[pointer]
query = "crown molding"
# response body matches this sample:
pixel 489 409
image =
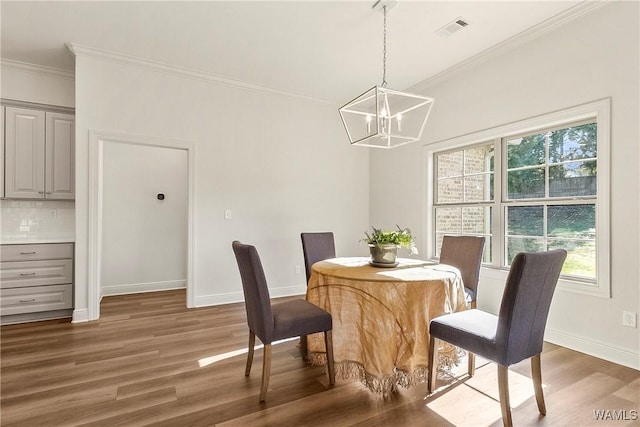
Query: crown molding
pixel 120 58
pixel 36 69
pixel 511 43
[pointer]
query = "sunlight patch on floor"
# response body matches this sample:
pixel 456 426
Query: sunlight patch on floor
pixel 463 406
pixel 479 395
pixel 206 361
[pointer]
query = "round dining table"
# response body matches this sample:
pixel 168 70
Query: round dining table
pixel 381 318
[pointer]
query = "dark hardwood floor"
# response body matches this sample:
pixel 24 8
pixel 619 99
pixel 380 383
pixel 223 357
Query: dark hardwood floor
pixel 150 361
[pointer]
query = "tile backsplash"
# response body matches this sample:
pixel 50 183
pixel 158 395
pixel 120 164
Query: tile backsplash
pixel 36 219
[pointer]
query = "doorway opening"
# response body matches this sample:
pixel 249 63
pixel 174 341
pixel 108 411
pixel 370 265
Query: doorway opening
pixel 102 148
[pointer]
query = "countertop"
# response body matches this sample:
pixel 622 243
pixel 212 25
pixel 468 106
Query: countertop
pixel 21 239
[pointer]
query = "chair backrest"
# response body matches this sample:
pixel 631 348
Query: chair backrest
pixel 464 253
pixel 317 247
pixel 256 293
pixel 525 304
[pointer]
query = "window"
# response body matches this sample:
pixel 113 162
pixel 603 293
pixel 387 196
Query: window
pixel 464 193
pixel 530 189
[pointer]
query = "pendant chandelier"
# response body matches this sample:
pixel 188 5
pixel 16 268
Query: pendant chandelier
pixel 382 117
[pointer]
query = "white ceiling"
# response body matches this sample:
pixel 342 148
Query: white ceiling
pixel 326 50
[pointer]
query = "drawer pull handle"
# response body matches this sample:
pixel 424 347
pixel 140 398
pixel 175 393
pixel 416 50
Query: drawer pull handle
pixel 28 300
pixel 27 274
pixel 28 253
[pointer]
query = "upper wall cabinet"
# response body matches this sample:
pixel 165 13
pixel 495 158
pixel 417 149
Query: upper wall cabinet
pixel 40 155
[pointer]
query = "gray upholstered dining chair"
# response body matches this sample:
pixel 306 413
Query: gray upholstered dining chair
pixel 317 247
pixel 516 333
pixel 465 253
pixel 282 320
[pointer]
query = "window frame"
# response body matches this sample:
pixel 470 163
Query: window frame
pixel 600 111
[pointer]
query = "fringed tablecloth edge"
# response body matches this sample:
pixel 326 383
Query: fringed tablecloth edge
pixel 388 384
pixel 448 357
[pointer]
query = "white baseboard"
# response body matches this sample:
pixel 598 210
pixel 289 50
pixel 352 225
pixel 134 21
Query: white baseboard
pixel 134 288
pixel 593 348
pixel 219 299
pixel 233 297
pixel 288 291
pixel 80 315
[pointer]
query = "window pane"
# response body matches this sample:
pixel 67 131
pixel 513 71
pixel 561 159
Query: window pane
pixel 476 220
pixel 525 221
pixel 573 143
pixel 477 188
pixel 439 238
pixel 573 179
pixel 449 164
pixel 488 250
pixel 450 190
pixel 448 220
pixel 527 151
pixel 572 221
pixel 525 184
pixel 581 257
pixel 519 244
pixel 478 159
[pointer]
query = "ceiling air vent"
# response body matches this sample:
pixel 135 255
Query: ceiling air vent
pixel 453 27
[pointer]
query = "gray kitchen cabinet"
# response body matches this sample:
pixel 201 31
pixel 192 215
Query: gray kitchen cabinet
pixel 2 152
pixel 39 154
pixel 36 282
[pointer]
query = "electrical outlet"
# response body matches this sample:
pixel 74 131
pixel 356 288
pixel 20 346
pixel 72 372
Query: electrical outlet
pixel 227 214
pixel 298 269
pixel 629 319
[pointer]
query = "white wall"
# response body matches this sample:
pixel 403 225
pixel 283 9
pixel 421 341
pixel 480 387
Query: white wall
pixel 594 57
pixel 281 164
pixel 144 239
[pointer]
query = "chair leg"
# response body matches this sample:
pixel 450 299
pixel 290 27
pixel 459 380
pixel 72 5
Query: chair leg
pixel 266 371
pixel 328 343
pixel 252 344
pixel 536 374
pixel 471 359
pixel 503 387
pixel 433 364
pixel 303 346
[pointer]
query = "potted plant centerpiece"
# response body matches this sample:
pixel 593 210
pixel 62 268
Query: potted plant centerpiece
pixel 384 245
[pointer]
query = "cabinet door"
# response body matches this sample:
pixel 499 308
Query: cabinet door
pixel 60 156
pixel 24 150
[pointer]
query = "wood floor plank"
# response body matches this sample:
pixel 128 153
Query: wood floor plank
pixel 151 361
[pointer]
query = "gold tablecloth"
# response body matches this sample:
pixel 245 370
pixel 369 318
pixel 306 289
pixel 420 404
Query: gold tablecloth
pixel 381 318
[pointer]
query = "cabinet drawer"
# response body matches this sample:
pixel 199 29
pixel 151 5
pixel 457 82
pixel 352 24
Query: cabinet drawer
pixel 34 299
pixel 35 273
pixel 36 252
